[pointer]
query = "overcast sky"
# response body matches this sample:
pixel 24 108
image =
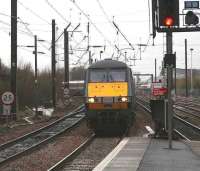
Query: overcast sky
pixel 131 16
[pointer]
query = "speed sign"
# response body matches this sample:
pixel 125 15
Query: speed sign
pixel 7 98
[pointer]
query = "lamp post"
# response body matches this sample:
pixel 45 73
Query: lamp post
pixel 191 77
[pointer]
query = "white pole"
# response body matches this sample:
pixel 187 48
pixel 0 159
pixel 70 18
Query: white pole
pixel 191 49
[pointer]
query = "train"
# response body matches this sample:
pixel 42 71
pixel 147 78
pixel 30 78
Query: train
pixel 109 96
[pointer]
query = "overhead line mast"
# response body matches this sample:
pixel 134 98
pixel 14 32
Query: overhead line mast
pixel 13 83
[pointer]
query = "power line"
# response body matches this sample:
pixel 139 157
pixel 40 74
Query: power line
pixel 109 21
pixel 20 31
pixel 60 16
pixel 29 30
pixel 57 11
pixel 26 27
pixel 115 26
pixel 3 22
pixel 6 15
pixel 91 22
pixel 147 44
pixel 81 57
pixel 99 31
pixel 104 12
pixel 80 42
pixel 34 13
pixel 31 51
pixel 123 35
pixel 21 22
pixel 107 17
pixel 105 22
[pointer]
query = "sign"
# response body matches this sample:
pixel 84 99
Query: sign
pixel 7 98
pixel 6 110
pixel 191 4
pixel 170 60
pixel 159 91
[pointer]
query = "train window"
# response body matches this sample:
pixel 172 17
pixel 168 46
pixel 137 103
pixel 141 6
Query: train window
pixel 117 75
pixel 98 76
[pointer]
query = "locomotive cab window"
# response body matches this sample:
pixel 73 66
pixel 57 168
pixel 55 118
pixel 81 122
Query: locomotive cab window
pixel 114 75
pixel 98 76
pixel 117 76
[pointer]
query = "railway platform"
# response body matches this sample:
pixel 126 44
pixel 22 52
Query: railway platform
pixel 143 154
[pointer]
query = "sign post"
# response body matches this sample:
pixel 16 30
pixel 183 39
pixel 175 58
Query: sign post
pixel 169 86
pixel 66 96
pixel 7 99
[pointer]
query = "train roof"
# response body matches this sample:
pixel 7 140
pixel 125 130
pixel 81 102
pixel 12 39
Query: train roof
pixel 108 63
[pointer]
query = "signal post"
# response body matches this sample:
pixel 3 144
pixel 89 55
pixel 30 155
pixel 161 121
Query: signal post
pixel 165 18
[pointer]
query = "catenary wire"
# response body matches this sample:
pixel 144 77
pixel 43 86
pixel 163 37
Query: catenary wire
pixel 34 13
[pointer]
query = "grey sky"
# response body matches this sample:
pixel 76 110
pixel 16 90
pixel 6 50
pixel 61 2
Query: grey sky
pixel 131 16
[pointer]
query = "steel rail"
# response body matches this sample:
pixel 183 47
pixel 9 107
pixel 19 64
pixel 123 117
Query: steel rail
pixel 75 154
pixel 72 155
pixel 181 135
pixel 187 123
pixel 144 107
pixel 187 110
pixel 41 136
pixel 184 127
pixel 11 142
pixel 181 126
pixel 59 165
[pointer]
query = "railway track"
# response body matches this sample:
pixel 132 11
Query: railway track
pixel 88 154
pixel 189 112
pixel 182 126
pixel 186 129
pixel 29 142
pixel 144 104
pixel 72 155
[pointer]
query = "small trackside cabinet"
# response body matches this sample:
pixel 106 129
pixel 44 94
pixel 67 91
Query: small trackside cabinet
pixel 158 113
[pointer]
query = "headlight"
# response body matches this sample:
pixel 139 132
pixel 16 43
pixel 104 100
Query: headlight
pixel 124 99
pixel 91 100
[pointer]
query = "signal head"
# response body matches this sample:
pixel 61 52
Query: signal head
pixel 191 18
pixel 168 21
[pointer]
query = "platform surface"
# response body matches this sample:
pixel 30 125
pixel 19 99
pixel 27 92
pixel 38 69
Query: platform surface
pixel 159 158
pixel 143 154
pixel 126 156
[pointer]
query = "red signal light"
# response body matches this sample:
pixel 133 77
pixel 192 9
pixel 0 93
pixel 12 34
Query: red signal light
pixel 169 21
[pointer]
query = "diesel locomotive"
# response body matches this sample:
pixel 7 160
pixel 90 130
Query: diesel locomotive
pixel 109 96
